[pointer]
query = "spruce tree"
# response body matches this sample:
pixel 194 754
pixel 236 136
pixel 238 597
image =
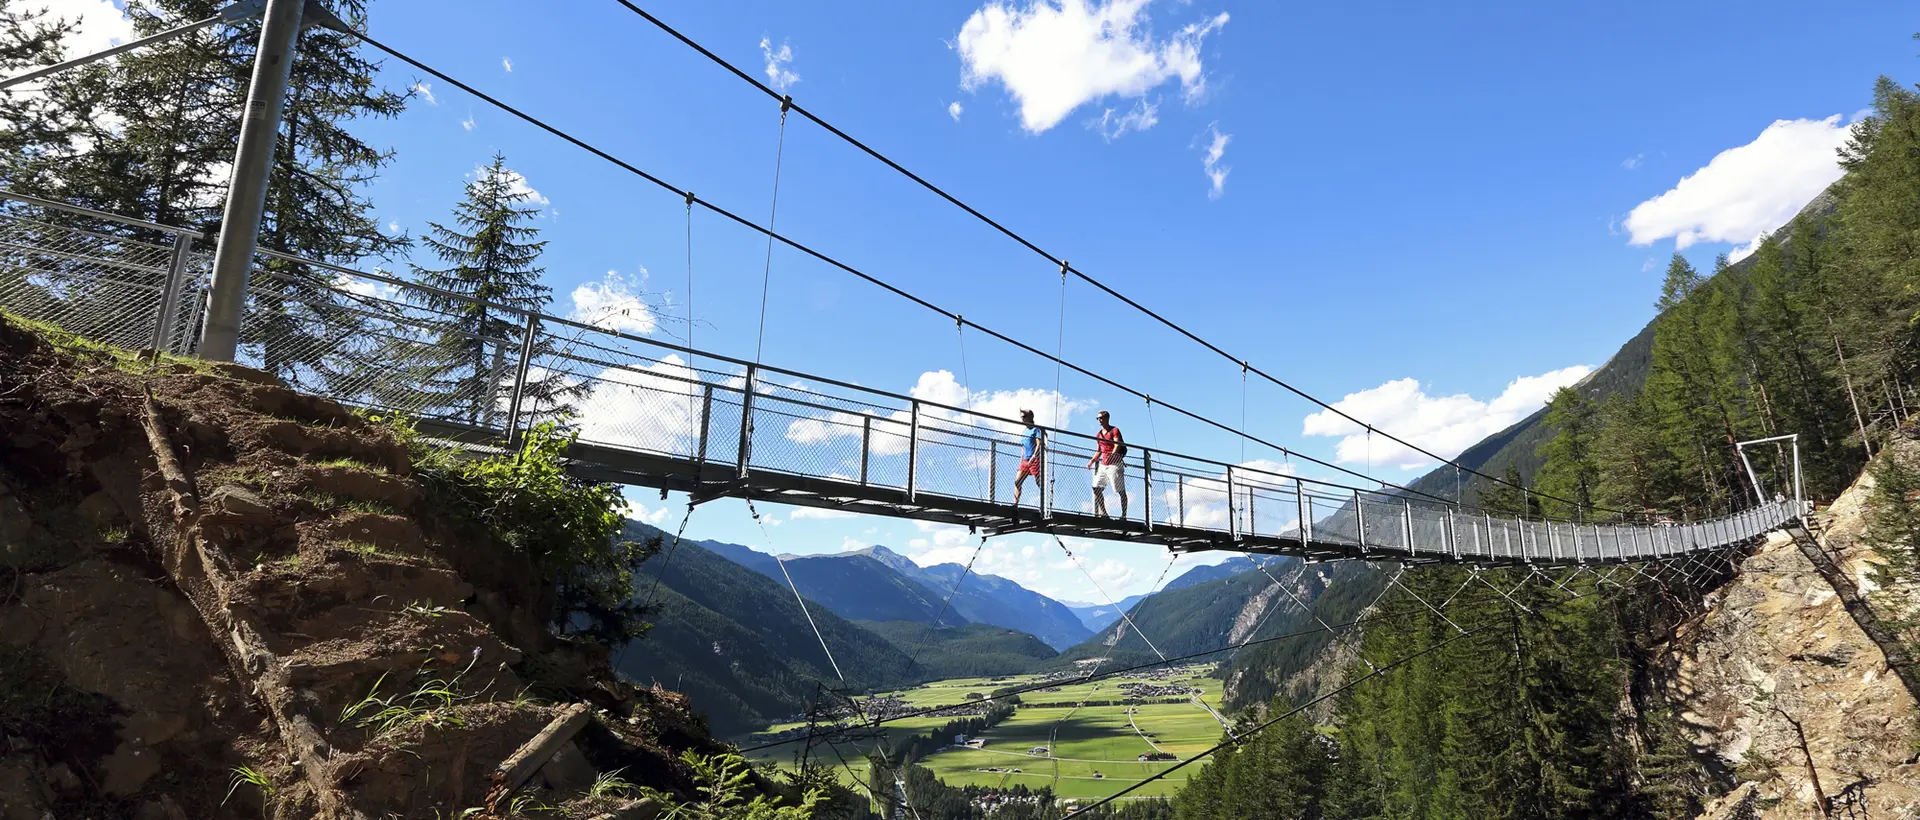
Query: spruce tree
pixel 1570 471
pixel 492 252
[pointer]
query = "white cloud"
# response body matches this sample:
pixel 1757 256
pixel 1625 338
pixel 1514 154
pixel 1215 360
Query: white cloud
pixel 615 303
pixel 1633 162
pixel 468 122
pixel 953 110
pixel 100 24
pixel 1054 56
pixel 639 512
pixel 779 64
pixel 1113 125
pixel 507 63
pixel 1442 424
pixel 819 513
pixel 653 407
pixel 365 287
pixel 1745 191
pixel 425 91
pixel 1216 150
pixel 393 226
pixel 891 431
pixel 516 184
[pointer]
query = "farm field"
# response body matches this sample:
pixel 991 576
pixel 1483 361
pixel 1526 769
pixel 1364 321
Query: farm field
pixel 1095 748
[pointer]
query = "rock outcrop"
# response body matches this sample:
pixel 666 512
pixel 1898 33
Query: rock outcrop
pixel 1779 685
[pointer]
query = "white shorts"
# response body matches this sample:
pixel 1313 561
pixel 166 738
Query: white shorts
pixel 1110 475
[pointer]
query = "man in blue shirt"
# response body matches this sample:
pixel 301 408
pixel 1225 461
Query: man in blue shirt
pixel 1032 455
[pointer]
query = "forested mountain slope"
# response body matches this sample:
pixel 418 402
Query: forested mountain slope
pixel 738 643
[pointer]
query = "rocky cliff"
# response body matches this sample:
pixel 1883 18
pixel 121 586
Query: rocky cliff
pixel 1777 683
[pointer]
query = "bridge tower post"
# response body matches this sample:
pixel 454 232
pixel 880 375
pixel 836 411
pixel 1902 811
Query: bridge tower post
pixel 1452 533
pixel 520 377
pixel 247 186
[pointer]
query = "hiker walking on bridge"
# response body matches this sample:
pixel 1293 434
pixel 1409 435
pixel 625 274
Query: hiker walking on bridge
pixel 1108 465
pixel 1031 456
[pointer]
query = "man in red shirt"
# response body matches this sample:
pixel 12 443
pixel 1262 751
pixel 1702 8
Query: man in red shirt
pixel 1109 469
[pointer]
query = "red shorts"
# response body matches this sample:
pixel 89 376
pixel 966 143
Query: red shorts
pixel 1029 466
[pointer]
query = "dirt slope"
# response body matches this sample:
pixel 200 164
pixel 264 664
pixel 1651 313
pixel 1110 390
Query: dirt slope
pixel 220 598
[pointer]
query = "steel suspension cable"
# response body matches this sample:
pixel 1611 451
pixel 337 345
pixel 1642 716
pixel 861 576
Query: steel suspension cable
pixel 796 595
pixel 1030 245
pixel 871 279
pixel 773 209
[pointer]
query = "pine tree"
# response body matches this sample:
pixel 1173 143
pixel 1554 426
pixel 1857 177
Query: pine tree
pixel 493 253
pixel 1571 471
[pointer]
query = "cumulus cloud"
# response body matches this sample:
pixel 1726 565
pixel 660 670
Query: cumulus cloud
pixel 507 64
pixel 425 90
pixel 1745 191
pixel 1113 125
pixel 1442 424
pixel 99 25
pixel 779 64
pixel 953 110
pixel 615 303
pixel 1210 163
pixel 891 432
pixel 516 183
pixel 1054 56
pixel 655 407
pixel 640 512
pixel 468 122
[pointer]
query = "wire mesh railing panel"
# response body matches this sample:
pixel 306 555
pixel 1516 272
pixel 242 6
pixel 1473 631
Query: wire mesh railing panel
pixel 77 274
pixel 958 458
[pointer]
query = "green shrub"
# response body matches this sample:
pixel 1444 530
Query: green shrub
pixel 569 527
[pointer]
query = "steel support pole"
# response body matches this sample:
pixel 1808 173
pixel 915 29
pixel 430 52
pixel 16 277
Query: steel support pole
pixel 1409 529
pixel 1146 481
pixel 1360 519
pixel 1453 535
pixel 1045 479
pixel 520 377
pixel 913 452
pixel 170 295
pixel 866 446
pixel 1300 503
pixel 247 187
pixel 706 421
pixel 1233 515
pixel 746 422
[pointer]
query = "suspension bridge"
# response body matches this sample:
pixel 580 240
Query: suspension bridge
pixel 661 415
pixel 657 414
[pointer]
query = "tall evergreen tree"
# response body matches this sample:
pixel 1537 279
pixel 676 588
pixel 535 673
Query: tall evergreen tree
pixel 1571 471
pixel 492 253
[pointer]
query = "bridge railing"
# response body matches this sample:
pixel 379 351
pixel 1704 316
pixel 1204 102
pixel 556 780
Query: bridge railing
pixel 373 340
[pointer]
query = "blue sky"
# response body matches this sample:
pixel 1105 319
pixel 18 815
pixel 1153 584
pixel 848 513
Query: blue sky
pixel 1438 211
